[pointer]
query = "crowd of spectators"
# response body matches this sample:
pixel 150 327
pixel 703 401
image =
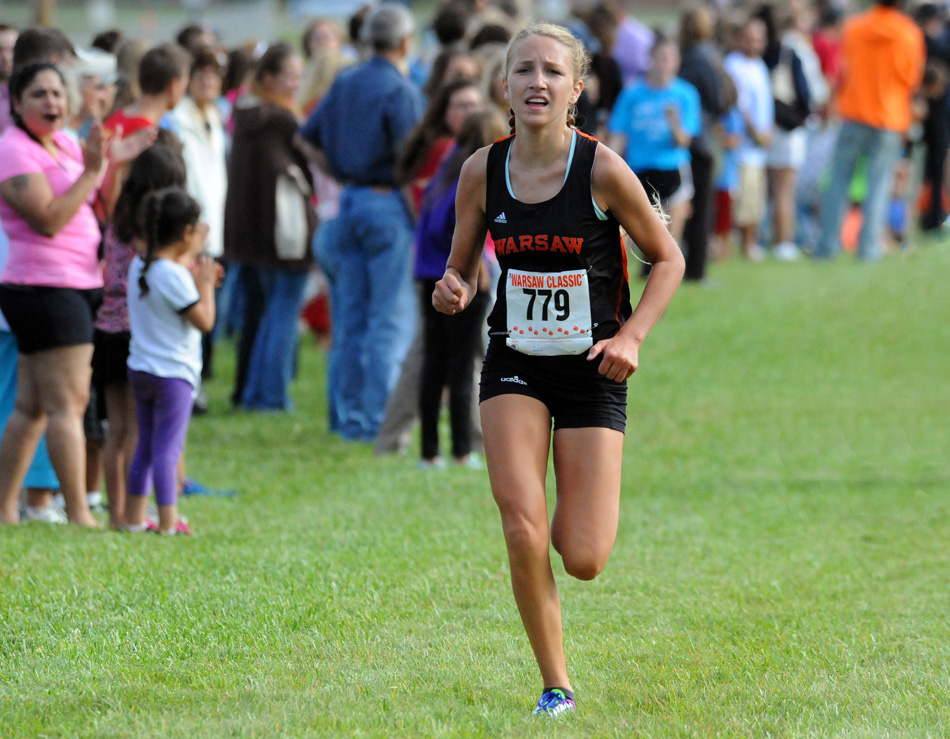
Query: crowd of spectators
pixel 778 130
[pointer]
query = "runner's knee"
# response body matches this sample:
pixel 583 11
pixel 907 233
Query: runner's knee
pixel 583 563
pixel 523 534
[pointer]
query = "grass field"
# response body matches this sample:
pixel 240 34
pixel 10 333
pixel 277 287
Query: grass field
pixel 781 567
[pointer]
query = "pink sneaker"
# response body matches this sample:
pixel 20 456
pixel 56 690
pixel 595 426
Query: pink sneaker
pixel 180 528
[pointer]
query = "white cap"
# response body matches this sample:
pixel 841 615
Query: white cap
pixel 95 63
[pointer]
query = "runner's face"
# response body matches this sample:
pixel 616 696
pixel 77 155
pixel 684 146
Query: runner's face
pixel 540 82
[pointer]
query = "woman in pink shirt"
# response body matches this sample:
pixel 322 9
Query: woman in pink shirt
pixel 51 285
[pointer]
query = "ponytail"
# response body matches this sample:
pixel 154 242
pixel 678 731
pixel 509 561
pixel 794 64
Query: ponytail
pixel 153 211
pixel 163 217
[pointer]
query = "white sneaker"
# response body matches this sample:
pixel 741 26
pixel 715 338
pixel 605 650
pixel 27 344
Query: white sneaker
pixel 437 463
pixel 95 501
pixel 43 514
pixel 786 252
pixel 756 253
pixel 473 462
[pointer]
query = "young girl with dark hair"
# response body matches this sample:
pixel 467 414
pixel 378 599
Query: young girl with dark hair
pixel 171 301
pixel 449 344
pixel 155 168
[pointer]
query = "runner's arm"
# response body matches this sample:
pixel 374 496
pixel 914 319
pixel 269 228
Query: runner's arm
pixel 460 281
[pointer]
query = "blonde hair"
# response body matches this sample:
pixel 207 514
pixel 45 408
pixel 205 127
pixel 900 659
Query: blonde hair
pixel 580 60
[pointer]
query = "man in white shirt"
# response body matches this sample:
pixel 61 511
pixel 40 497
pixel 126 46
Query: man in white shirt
pixel 757 107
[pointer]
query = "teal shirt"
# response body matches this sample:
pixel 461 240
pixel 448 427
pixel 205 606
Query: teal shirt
pixel 640 115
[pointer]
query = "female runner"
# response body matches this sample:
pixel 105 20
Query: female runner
pixel 563 336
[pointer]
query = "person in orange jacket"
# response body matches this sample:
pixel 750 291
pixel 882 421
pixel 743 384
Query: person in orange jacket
pixel 883 62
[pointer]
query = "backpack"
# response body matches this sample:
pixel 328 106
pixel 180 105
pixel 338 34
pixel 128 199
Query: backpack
pixel 790 112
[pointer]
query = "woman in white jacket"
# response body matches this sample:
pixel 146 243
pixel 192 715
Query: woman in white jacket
pixel 198 123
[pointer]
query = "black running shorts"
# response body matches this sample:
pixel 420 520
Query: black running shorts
pixel 575 393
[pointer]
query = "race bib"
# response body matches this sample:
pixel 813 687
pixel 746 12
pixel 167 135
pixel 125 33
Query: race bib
pixel 548 313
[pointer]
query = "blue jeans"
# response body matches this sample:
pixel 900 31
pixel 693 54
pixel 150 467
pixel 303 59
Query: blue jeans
pixel 268 346
pixel 325 246
pixel 373 314
pixel 227 303
pixel 882 148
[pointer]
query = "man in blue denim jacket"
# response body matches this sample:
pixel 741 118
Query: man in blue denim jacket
pixel 359 126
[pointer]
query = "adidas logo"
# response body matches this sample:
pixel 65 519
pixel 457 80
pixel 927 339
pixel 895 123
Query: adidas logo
pixel 515 379
pixel 501 218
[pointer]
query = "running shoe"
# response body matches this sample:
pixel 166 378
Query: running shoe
pixel 553 703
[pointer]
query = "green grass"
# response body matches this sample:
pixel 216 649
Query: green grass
pixel 781 566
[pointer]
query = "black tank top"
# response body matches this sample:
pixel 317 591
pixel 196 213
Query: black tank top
pixel 559 235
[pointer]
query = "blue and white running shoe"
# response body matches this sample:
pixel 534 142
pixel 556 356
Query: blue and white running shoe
pixel 553 703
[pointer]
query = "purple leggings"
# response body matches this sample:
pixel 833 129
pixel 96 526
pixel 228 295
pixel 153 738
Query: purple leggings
pixel 162 406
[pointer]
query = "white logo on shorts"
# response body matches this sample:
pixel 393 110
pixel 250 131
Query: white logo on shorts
pixel 501 218
pixel 514 379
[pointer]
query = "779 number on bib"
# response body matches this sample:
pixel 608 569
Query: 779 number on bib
pixel 548 312
pixel 562 303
